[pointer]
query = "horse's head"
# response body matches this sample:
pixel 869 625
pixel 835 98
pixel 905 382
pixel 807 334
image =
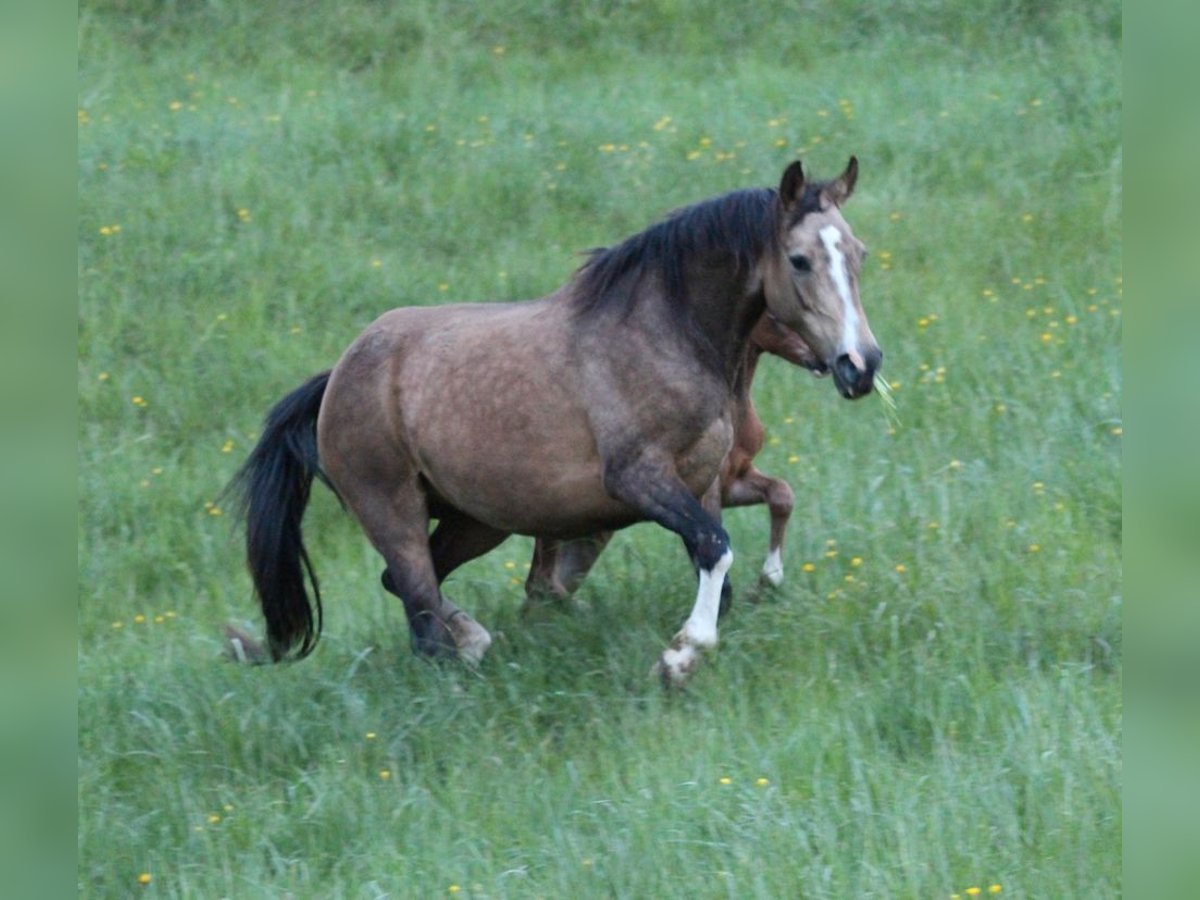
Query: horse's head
pixel 811 282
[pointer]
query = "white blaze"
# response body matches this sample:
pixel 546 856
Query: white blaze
pixel 830 237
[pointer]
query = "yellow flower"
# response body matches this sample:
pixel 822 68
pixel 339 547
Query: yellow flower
pixel 973 892
pixel 994 889
pixel 856 561
pixel 139 618
pixel 762 782
pixel 454 889
pixel 808 567
pixel 901 568
pixel 725 779
pixel 370 735
pixel 214 819
pixel 385 774
pixel 144 878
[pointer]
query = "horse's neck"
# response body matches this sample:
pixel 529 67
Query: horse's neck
pixel 724 311
pixel 745 378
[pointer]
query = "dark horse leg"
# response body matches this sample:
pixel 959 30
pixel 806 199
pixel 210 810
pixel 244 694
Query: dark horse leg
pixel 457 539
pixel 653 487
pixel 559 566
pixel 396 520
pixel 753 488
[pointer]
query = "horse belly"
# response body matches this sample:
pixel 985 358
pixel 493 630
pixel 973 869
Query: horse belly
pixel 515 453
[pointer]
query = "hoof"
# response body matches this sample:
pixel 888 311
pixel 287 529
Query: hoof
pixel 241 648
pixel 772 570
pixel 676 664
pixel 471 640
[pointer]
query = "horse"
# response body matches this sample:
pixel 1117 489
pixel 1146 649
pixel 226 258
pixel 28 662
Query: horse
pixel 607 402
pixel 559 567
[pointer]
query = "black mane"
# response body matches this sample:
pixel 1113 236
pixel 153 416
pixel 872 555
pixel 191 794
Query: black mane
pixel 742 225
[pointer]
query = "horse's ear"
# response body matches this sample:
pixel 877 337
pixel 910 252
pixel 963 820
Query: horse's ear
pixel 842 187
pixel 791 186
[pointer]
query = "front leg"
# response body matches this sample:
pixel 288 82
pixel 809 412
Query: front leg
pixel 655 489
pixel 752 488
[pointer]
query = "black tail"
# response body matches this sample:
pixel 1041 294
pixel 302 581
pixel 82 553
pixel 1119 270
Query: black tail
pixel 274 485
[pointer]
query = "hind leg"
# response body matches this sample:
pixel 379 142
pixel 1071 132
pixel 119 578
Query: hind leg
pixel 397 523
pixel 559 566
pixel 458 539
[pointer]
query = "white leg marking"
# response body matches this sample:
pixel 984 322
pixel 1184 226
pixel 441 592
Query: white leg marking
pixel 773 568
pixel 700 630
pixel 831 236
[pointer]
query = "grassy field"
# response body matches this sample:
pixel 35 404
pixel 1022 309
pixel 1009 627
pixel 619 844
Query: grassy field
pixel 930 704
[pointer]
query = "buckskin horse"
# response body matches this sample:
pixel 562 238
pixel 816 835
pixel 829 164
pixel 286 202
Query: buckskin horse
pixel 605 403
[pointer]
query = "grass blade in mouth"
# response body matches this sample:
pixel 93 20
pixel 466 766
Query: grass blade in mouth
pixel 889 400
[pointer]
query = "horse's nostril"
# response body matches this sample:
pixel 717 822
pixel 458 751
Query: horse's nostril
pixel 874 360
pixel 846 369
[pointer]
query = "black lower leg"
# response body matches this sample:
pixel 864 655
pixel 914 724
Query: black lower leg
pixel 428 634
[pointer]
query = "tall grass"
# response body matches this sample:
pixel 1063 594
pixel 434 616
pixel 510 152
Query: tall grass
pixel 932 700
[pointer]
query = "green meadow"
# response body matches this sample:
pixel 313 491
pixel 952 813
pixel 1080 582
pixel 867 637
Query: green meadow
pixel 930 705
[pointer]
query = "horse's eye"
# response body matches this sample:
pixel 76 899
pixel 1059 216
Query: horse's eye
pixel 800 262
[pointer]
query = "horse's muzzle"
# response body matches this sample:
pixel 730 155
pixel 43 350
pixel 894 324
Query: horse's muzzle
pixel 854 374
